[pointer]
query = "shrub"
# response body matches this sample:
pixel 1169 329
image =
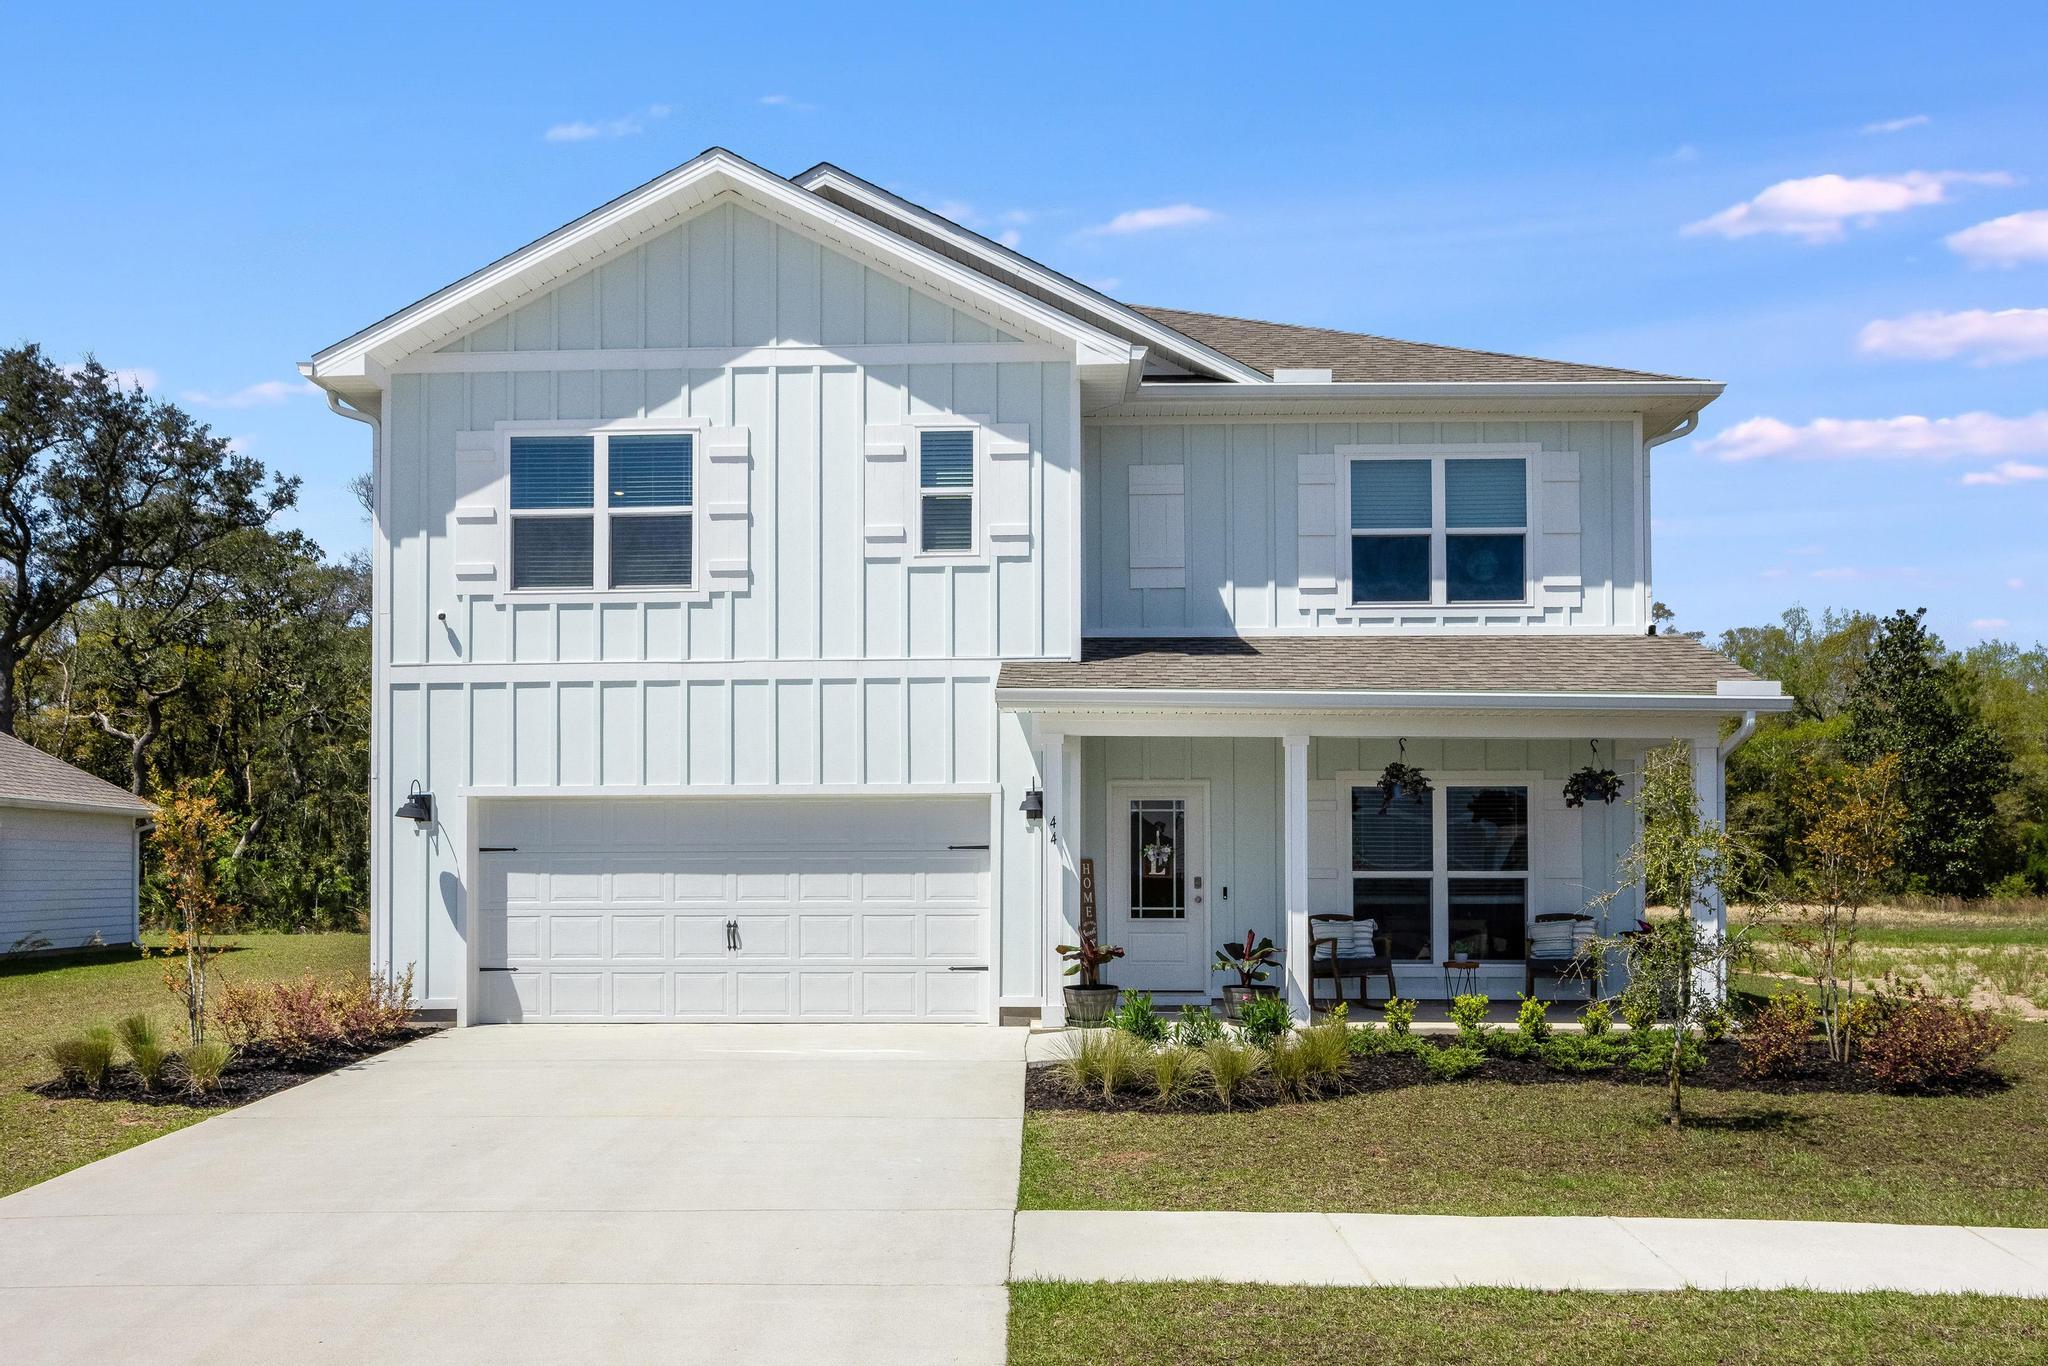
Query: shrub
pixel 145 1048
pixel 1649 1053
pixel 301 1023
pixel 1469 1013
pixel 1399 1014
pixel 1229 1066
pixel 1596 1019
pixel 204 1062
pixel 1639 1007
pixel 1174 1073
pixel 1264 1019
pixel 1108 1060
pixel 1715 1024
pixel 1501 1043
pixel 1563 1053
pixel 1452 1063
pixel 1196 1027
pixel 371 1009
pixel 1774 1042
pixel 241 1014
pixel 1861 1019
pixel 1925 1044
pixel 1529 1019
pixel 83 1060
pixel 1136 1017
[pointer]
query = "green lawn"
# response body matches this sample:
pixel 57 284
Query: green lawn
pixel 42 1000
pixel 1571 1148
pixel 1193 1324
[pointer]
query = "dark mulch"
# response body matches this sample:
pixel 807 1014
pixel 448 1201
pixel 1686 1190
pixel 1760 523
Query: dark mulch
pixel 256 1071
pixel 1046 1089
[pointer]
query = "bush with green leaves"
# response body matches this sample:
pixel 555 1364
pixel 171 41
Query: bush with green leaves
pixel 1230 1066
pixel 1530 1021
pixel 204 1062
pixel 1596 1019
pixel 1501 1043
pixel 83 1059
pixel 1196 1026
pixel 1639 1007
pixel 144 1044
pixel 1454 1062
pixel 1468 1013
pixel 1399 1014
pixel 1716 1024
pixel 1264 1019
pixel 1566 1053
pixel 1649 1053
pixel 1137 1018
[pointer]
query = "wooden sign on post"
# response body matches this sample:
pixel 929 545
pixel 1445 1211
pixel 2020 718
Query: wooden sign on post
pixel 1088 896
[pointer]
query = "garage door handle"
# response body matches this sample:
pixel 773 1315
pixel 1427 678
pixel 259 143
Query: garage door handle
pixel 732 935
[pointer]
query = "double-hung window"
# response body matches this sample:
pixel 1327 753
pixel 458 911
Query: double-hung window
pixel 641 534
pixel 1439 530
pixel 1466 850
pixel 945 491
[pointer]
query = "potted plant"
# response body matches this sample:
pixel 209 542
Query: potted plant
pixel 1249 961
pixel 1592 783
pixel 1089 1001
pixel 1402 779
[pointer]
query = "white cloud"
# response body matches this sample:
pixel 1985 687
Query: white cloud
pixel 788 102
pixel 967 216
pixel 2015 584
pixel 1682 155
pixel 2006 473
pixel 1010 237
pixel 1814 209
pixel 1984 436
pixel 623 127
pixel 1989 624
pixel 2004 241
pixel 1104 284
pixel 1985 337
pixel 263 394
pixel 1151 220
pixel 1898 125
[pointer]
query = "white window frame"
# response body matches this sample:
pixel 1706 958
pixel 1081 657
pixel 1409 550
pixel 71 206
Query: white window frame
pixel 601 511
pixel 919 424
pixel 1439 533
pixel 1439 874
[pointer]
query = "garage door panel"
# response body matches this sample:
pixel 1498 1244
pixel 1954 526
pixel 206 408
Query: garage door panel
pixel 955 995
pixel 825 995
pixel 830 886
pixel 885 935
pixel 575 936
pixel 702 995
pixel 575 884
pixel 763 887
pixel 640 886
pixel 956 885
pixel 764 936
pixel 523 935
pixel 700 936
pixel 952 936
pixel 638 936
pixel 643 994
pixel 575 995
pixel 825 936
pixel 889 995
pixel 763 993
pixel 700 887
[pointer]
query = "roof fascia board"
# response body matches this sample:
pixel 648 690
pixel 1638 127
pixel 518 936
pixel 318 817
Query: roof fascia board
pixel 1705 390
pixel 142 810
pixel 1308 700
pixel 1157 335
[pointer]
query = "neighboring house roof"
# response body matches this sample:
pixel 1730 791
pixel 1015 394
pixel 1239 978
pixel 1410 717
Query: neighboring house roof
pixel 1602 666
pixel 1362 358
pixel 29 777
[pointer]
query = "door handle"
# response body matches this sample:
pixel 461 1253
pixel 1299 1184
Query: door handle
pixel 732 935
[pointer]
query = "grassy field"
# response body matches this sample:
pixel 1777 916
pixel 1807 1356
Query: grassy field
pixel 42 1000
pixel 1059 1324
pixel 1571 1147
pixel 1992 953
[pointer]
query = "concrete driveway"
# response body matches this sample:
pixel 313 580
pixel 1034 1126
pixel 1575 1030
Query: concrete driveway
pixel 553 1193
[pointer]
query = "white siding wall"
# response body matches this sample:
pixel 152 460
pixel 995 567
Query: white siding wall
pixel 1241 507
pixel 65 877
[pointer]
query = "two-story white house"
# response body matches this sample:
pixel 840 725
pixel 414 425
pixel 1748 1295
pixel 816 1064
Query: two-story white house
pixel 781 591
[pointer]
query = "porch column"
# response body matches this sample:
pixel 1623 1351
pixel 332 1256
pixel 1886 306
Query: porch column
pixel 1710 914
pixel 1060 877
pixel 1294 863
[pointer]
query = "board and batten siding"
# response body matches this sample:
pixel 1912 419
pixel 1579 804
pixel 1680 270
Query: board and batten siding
pixel 1242 499
pixel 67 878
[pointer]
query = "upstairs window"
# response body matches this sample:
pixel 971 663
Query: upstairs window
pixel 642 534
pixel 1439 531
pixel 945 492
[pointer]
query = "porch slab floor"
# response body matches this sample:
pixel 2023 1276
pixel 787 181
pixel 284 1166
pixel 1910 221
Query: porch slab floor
pixel 1554 1253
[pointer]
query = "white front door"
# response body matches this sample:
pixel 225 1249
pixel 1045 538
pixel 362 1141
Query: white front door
pixel 1157 899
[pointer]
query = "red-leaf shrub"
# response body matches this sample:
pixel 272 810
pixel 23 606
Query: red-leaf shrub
pixel 1922 1043
pixel 372 1009
pixel 1775 1041
pixel 301 1023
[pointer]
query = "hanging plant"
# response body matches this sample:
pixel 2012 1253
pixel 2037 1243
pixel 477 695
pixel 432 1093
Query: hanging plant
pixel 1399 779
pixel 1599 784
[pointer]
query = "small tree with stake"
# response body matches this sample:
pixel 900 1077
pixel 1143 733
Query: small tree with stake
pixel 1855 825
pixel 194 839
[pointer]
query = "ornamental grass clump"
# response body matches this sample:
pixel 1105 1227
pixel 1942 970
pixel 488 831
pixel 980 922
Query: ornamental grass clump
pixel 144 1045
pixel 1176 1069
pixel 1326 1048
pixel 1106 1060
pixel 204 1062
pixel 83 1060
pixel 1230 1066
pixel 1288 1061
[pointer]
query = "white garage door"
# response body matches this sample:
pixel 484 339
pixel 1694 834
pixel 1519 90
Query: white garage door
pixel 734 909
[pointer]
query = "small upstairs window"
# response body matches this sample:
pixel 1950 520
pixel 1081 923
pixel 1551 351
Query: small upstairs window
pixel 945 492
pixel 1439 530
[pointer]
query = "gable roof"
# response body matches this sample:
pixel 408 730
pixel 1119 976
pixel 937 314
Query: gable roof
pixel 29 777
pixel 1361 357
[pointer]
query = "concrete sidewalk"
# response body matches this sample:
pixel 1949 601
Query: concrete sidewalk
pixel 1534 1253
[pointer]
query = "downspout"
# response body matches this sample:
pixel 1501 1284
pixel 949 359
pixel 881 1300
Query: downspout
pixel 380 903
pixel 1739 736
pixel 1685 428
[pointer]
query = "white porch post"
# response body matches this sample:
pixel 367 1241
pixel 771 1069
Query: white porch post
pixel 1061 875
pixel 1710 912
pixel 1294 838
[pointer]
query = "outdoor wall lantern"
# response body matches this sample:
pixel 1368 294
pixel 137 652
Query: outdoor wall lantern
pixel 1033 805
pixel 419 806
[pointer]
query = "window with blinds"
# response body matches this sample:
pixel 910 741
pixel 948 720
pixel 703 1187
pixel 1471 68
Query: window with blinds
pixel 641 534
pixel 945 492
pixel 1466 851
pixel 1439 530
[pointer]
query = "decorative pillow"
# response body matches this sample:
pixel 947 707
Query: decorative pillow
pixel 1354 937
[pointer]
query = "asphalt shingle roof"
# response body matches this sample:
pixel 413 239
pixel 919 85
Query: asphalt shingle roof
pixel 29 776
pixel 1360 357
pixel 1374 663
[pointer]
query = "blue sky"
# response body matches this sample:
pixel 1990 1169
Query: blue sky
pixel 1842 212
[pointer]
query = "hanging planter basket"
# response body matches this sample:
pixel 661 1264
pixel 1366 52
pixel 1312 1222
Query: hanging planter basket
pixel 1400 781
pixel 1602 785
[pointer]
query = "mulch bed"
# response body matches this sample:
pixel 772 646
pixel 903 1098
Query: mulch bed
pixel 256 1071
pixel 1046 1089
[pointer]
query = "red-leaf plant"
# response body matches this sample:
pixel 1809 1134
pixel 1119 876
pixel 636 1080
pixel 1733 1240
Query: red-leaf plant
pixel 1248 960
pixel 1088 958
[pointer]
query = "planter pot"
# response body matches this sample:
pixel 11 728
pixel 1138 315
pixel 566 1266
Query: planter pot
pixel 1088 1007
pixel 1234 997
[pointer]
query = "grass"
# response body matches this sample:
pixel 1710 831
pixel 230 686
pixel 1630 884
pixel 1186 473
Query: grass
pixel 1482 1147
pixel 1195 1324
pixel 1993 953
pixel 44 999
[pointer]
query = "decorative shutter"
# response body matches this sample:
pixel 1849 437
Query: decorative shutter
pixel 1006 508
pixel 887 489
pixel 477 531
pixel 1556 530
pixel 1320 561
pixel 1159 526
pixel 727 474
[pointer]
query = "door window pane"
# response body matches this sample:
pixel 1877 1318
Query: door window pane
pixel 1389 494
pixel 651 551
pixel 551 552
pixel 1485 568
pixel 552 471
pixel 1486 829
pixel 1158 859
pixel 649 471
pixel 1481 493
pixel 1394 842
pixel 1489 917
pixel 1390 569
pixel 1401 906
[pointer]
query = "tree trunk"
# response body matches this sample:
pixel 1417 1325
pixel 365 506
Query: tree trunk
pixel 9 702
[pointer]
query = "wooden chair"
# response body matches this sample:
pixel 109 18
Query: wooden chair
pixel 1560 969
pixel 1324 962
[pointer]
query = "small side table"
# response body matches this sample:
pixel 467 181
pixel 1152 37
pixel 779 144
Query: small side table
pixel 1461 978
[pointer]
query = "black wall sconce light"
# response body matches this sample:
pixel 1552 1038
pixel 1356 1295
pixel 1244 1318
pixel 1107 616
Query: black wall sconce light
pixel 1033 805
pixel 419 806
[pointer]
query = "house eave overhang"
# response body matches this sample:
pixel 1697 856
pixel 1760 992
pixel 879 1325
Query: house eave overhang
pixel 1663 403
pixel 140 811
pixel 1728 701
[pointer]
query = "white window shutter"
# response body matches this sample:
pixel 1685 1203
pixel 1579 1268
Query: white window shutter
pixel 478 522
pixel 1555 529
pixel 1159 526
pixel 1320 562
pixel 886 487
pixel 726 516
pixel 1006 509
